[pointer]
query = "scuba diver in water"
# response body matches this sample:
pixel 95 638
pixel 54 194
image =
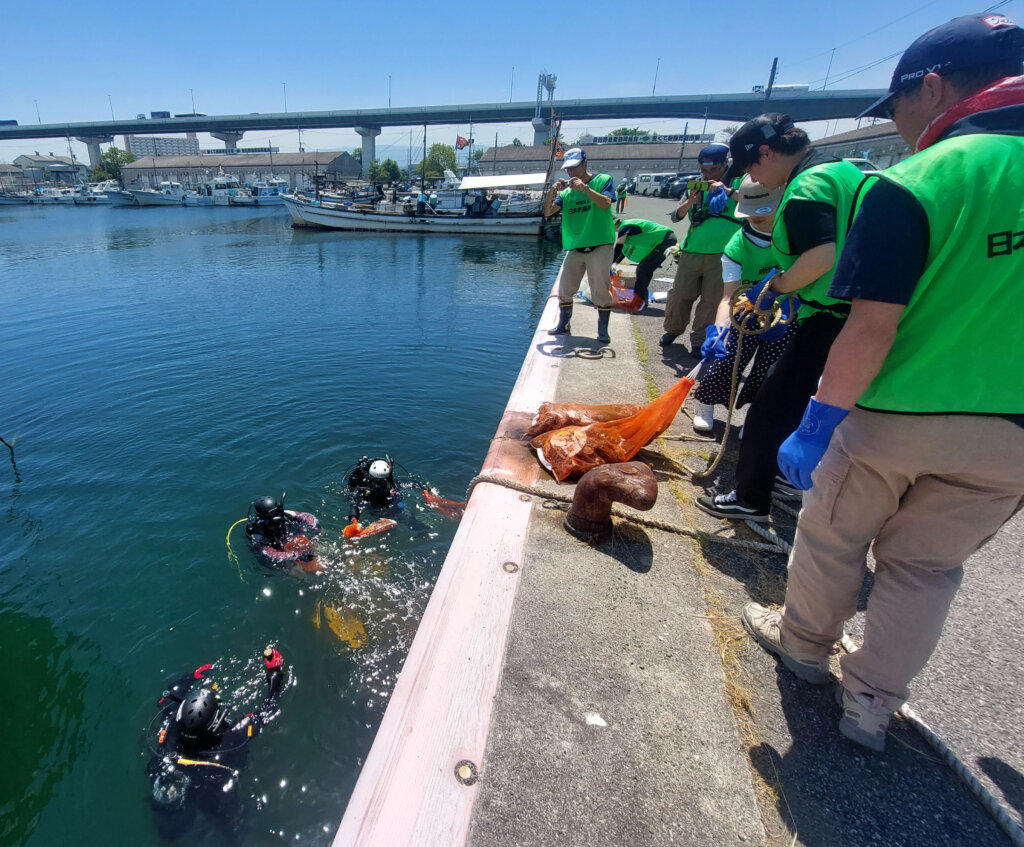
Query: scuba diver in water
pixel 280 536
pixel 198 750
pixel 372 482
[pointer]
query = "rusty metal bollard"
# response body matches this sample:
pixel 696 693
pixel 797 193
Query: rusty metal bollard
pixel 631 483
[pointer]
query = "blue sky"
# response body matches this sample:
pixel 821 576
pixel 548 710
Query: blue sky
pixel 72 63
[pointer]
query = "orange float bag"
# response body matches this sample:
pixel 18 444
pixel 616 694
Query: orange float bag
pixel 556 415
pixel 574 450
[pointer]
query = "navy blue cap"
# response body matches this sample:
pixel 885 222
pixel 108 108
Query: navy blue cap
pixel 746 142
pixel 964 43
pixel 713 154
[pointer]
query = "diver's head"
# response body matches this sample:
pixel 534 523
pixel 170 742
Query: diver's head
pixel 380 469
pixel 200 718
pixel 267 508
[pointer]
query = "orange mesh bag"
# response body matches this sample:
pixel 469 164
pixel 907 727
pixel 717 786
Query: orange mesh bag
pixel 556 415
pixel 574 450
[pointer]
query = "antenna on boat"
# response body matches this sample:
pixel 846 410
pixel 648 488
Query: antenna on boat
pixel 423 179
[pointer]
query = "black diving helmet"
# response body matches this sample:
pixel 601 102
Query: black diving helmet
pixel 266 517
pixel 201 719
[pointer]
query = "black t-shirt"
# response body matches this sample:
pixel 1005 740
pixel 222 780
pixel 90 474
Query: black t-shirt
pixel 886 249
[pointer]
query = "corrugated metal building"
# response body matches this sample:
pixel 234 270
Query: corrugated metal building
pixel 53 169
pixel 297 168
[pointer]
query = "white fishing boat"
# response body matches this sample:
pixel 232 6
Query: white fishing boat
pixel 94 194
pixel 119 197
pixel 166 194
pixel 243 197
pixel 65 196
pixel 223 188
pixel 488 205
pixel 270 192
pixel 13 199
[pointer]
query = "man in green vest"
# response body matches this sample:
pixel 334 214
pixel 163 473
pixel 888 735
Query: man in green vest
pixel 588 233
pixel 645 243
pixel 913 443
pixel 620 197
pixel 709 206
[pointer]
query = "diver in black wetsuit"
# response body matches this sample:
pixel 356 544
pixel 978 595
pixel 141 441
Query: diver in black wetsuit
pixel 281 535
pixel 199 750
pixel 372 483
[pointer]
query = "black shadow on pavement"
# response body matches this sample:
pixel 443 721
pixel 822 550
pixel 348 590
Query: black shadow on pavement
pixel 1009 780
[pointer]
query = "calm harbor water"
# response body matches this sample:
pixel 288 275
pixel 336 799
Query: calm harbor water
pixel 160 369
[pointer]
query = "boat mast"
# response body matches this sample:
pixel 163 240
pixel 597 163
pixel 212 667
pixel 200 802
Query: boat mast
pixel 423 178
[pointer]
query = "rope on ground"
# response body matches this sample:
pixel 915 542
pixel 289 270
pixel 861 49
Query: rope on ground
pixel 628 516
pixel 778 544
pixel 981 793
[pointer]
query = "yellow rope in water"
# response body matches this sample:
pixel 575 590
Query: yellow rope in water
pixel 231 554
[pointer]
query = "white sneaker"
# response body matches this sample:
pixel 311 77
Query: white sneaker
pixel 704 420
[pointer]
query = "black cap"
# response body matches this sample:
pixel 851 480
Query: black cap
pixel 747 140
pixel 962 44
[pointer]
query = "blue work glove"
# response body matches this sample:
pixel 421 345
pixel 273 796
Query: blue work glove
pixel 800 453
pixel 714 343
pixel 718 200
pixel 788 307
pixel 753 293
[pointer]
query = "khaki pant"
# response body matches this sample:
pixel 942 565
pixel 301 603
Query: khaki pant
pixel 928 491
pixel 597 264
pixel 698 278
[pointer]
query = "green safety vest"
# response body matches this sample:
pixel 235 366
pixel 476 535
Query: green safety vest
pixel 638 247
pixel 959 347
pixel 710 233
pixel 834 183
pixel 754 261
pixel 585 224
pixel 621 190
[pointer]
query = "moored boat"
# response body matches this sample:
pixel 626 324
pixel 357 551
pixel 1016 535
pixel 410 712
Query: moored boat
pixel 167 194
pixel 480 205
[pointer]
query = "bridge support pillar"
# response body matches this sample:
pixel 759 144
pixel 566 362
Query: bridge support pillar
pixel 369 135
pixel 541 130
pixel 92 143
pixel 230 139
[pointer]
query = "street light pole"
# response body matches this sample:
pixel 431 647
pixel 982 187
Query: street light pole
pixel 191 94
pixel 511 83
pixel 37 112
pixel 284 88
pixel 389 92
pixel 111 102
pixel 656 69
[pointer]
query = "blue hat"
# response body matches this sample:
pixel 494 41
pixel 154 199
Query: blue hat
pixel 573 157
pixel 965 43
pixel 713 154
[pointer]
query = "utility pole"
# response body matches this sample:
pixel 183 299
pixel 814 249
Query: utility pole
pixel 389 92
pixel 111 102
pixel 830 58
pixel 771 79
pixel 511 83
pixel 37 112
pixel 656 69
pixel 193 96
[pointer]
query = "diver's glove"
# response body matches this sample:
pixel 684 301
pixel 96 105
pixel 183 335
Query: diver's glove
pixel 788 307
pixel 718 200
pixel 714 343
pixel 762 295
pixel 800 454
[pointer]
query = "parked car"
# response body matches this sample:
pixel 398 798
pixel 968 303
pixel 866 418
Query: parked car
pixel 650 184
pixel 676 187
pixel 865 165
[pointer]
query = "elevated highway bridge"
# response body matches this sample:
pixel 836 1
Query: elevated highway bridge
pixel 800 105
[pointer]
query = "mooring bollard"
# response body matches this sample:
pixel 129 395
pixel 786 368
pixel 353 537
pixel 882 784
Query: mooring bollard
pixel 630 483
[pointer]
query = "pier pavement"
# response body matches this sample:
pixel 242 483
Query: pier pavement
pixel 628 705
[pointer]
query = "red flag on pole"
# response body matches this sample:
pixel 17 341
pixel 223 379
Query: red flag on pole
pixel 461 142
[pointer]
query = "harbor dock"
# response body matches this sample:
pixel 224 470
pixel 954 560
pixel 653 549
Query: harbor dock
pixel 569 693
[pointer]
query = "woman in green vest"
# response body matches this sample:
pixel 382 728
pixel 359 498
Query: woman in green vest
pixel 747 259
pixel 810 226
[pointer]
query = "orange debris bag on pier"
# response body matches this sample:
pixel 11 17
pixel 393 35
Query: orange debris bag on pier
pixel 556 415
pixel 574 450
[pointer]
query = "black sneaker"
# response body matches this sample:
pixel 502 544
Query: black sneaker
pixel 730 506
pixel 668 338
pixel 784 487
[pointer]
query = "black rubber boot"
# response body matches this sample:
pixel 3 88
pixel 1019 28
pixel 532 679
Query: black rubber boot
pixel 602 325
pixel 564 313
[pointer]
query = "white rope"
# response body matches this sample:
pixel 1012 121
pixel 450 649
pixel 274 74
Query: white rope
pixel 981 793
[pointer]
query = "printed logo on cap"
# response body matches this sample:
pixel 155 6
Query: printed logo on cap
pixel 997 20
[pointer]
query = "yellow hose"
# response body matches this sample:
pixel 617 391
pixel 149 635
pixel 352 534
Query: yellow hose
pixel 231 555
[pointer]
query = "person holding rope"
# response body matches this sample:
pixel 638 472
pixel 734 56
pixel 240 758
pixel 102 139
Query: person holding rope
pixel 913 443
pixel 745 262
pixel 810 227
pixel 588 233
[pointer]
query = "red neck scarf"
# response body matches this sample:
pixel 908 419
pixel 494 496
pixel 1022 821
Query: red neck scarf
pixel 1009 91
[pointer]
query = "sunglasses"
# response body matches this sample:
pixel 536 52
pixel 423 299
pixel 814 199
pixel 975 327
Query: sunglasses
pixel 889 109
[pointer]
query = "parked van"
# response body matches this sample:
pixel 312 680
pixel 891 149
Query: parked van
pixel 650 184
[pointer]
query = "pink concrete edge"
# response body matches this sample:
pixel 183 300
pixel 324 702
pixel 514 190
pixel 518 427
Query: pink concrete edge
pixel 440 711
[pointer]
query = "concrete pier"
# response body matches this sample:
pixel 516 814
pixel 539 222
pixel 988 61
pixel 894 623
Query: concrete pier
pixel 230 139
pixel 92 144
pixel 564 693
